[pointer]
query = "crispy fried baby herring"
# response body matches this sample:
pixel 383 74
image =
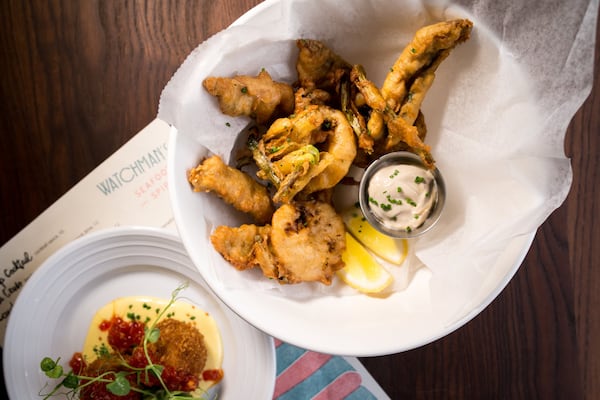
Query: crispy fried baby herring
pixel 233 186
pixel 307 136
pixel 304 243
pixel 290 151
pixel 429 46
pixel 258 97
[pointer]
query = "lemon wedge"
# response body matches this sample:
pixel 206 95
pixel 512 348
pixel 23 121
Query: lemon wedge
pixel 390 249
pixel 362 271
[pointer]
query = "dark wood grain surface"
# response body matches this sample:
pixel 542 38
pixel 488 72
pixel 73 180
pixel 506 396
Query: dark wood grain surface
pixel 79 78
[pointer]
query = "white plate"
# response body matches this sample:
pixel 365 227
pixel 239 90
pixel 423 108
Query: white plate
pixel 53 311
pixel 346 325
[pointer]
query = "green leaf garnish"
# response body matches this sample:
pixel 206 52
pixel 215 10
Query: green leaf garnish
pixel 55 372
pixel 70 381
pixel 153 335
pixel 47 364
pixel 120 386
pixel 119 383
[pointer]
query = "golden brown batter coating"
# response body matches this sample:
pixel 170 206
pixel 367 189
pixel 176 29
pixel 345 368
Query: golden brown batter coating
pixel 318 66
pixel 304 244
pixel 428 44
pixel 311 151
pixel 398 103
pixel 233 186
pixel 339 118
pixel 246 247
pixel 308 239
pixel 257 97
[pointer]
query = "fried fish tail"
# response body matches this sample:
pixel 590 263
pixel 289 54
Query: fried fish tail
pixel 233 186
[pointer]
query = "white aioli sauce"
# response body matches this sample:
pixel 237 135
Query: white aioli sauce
pixel 402 196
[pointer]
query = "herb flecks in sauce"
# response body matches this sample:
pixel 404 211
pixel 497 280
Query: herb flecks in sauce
pixel 402 196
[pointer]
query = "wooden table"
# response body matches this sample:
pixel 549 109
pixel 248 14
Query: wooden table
pixel 79 78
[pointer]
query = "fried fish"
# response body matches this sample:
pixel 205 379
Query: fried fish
pixel 234 186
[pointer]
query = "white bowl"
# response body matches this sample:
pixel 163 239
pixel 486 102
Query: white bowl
pixel 52 314
pixel 350 325
pixel 356 325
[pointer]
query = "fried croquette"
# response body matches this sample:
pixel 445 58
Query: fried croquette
pixel 180 345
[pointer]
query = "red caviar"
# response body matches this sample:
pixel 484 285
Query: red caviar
pixel 104 325
pixel 123 336
pixel 212 375
pixel 77 363
pixel 125 354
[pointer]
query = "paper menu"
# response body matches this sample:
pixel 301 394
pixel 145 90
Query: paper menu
pixel 128 188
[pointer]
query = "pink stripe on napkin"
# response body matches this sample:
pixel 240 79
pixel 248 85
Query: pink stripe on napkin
pixel 341 387
pixel 301 369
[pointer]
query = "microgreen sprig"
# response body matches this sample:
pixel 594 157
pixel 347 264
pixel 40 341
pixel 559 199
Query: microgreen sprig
pixel 118 383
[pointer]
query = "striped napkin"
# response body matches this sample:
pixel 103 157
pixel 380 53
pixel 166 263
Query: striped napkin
pixel 304 375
